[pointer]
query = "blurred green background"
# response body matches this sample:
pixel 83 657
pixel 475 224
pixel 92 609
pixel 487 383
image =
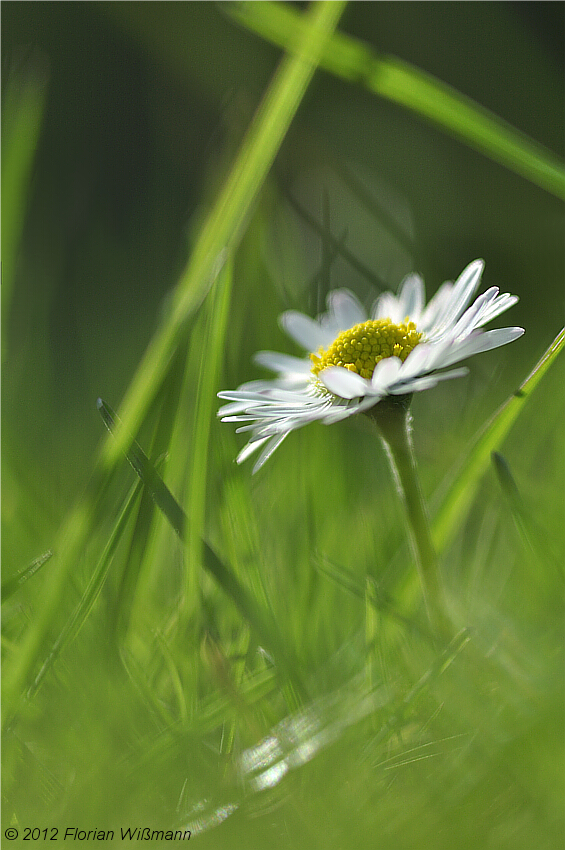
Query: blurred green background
pixel 142 108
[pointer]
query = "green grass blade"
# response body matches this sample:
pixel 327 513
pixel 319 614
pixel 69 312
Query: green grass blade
pixel 22 118
pixel 402 83
pixel 259 619
pixel 147 473
pixel 343 577
pixel 210 357
pixel 535 541
pixel 369 592
pixel 11 584
pixel 463 487
pixel 221 231
pixel 91 593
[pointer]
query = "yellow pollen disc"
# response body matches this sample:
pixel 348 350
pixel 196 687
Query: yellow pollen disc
pixel 361 347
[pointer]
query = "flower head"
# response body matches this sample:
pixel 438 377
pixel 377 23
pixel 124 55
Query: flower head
pixel 354 361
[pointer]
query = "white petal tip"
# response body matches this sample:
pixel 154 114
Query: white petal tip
pixel 344 383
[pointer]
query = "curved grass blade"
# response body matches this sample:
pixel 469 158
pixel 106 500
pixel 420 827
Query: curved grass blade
pixel 402 83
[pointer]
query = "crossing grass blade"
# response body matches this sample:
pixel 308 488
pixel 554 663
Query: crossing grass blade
pixel 402 83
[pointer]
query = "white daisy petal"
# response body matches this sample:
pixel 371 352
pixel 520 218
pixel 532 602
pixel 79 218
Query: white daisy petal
pixel 460 295
pixel 241 401
pixel 338 414
pixel 277 426
pixel 426 382
pixel 387 306
pixel 289 381
pixel 303 330
pixel 346 309
pixel 344 383
pixel 369 401
pixel 285 363
pixel 386 372
pixel 268 451
pixel 273 394
pixel 411 297
pixel 245 417
pixel 229 409
pixel 502 303
pixel 249 449
pixel 421 359
pixel 259 416
pixel 435 306
pixel 352 409
pixel 472 317
pixel 480 341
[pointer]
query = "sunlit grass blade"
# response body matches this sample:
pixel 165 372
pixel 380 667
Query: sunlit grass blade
pixel 462 488
pixel 263 624
pixel 414 89
pixel 220 233
pixel 14 582
pixel 22 116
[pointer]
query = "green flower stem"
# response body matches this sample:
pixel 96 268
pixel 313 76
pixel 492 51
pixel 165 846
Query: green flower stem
pixel 393 420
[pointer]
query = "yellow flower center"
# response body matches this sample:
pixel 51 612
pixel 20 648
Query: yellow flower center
pixel 361 347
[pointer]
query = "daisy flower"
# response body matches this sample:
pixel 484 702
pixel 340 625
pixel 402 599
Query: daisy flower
pixel 355 361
